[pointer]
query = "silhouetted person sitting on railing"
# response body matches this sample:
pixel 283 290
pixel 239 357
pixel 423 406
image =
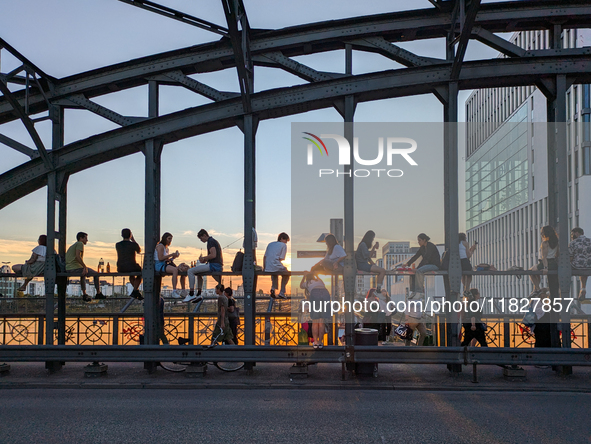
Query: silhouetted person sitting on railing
pixel 213 262
pixel 75 265
pixel 163 263
pixel 35 265
pixel 272 262
pixel 549 252
pixel 580 256
pixel 126 262
pixel 430 262
pixel 363 258
pixel 334 258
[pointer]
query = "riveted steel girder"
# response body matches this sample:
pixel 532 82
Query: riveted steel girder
pixel 308 39
pixel 95 150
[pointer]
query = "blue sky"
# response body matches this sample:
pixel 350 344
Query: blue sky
pixel 202 176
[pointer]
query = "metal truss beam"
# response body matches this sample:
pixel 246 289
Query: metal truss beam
pixel 308 39
pixel 177 77
pixel 177 15
pixel 277 59
pixel 281 102
pixel 29 125
pixel 239 31
pixel 465 33
pixel 79 101
pixel 19 146
pixel 381 46
pixel 27 64
pixel 496 42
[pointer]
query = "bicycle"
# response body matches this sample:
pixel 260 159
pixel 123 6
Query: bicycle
pixel 177 367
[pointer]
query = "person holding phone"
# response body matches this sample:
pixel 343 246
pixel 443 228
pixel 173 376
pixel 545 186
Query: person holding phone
pixel 430 262
pixel 363 258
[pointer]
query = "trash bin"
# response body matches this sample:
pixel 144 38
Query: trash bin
pixel 366 336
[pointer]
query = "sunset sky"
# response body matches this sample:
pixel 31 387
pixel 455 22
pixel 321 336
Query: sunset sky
pixel 202 177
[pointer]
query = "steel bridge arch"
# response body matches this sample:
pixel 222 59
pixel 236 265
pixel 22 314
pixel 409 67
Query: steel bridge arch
pixel 550 70
pixel 80 155
pixel 273 48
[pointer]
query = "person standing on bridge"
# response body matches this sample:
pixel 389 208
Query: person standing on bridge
pixel 580 256
pixel 76 266
pixel 213 262
pixel 474 328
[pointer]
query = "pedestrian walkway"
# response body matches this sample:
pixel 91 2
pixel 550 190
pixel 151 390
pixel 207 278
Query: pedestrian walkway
pixel 277 376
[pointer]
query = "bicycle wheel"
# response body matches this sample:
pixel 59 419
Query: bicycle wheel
pixel 229 366
pixel 175 367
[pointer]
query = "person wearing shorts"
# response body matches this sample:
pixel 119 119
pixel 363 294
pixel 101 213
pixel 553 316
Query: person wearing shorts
pixel 163 263
pixel 126 262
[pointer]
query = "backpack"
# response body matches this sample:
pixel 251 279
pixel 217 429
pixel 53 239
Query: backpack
pixel 238 260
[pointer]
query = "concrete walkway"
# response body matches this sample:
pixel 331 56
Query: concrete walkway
pixel 320 376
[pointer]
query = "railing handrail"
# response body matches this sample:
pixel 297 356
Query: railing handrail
pixel 574 272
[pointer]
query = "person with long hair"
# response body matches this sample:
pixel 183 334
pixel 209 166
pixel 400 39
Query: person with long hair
pixel 318 295
pixel 363 258
pixel 430 262
pixel 466 252
pixel 35 266
pixel 163 263
pixel 549 252
pixel 334 258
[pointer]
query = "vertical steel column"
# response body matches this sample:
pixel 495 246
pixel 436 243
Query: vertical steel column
pixel 248 277
pixel 50 273
pixel 564 269
pixel 551 113
pixel 152 151
pixel 450 193
pixel 56 114
pixel 350 269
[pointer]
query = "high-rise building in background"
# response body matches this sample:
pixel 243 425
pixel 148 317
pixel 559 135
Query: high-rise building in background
pixel 507 169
